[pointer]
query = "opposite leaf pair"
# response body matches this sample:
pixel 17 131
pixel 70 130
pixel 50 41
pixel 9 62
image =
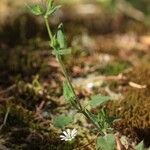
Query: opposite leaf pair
pixel 38 10
pixel 58 42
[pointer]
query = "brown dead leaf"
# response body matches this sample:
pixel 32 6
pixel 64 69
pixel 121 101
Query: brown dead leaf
pixel 120 146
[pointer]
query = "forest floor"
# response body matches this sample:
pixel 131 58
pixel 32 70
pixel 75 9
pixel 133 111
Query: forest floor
pixel 108 57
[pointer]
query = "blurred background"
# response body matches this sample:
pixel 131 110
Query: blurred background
pixel 110 41
pixel 96 17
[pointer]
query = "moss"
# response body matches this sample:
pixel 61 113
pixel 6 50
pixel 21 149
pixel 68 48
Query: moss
pixel 24 131
pixel 22 63
pixel 134 108
pixel 18 116
pixel 114 68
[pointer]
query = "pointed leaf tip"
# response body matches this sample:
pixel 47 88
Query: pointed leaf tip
pixel 36 9
pixel 97 100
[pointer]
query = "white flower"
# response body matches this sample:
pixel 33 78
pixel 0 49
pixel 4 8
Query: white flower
pixel 68 135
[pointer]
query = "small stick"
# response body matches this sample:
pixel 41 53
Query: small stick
pixel 8 89
pixel 6 99
pixel 138 86
pixel 39 108
pixel 5 118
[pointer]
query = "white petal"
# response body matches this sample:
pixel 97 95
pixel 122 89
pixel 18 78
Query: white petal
pixel 73 133
pixel 65 133
pixel 62 139
pixel 68 131
pixel 68 135
pixel 62 136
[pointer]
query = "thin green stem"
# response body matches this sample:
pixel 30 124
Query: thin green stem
pixel 48 28
pixel 62 64
pixel 79 107
pixel 68 80
pixel 97 126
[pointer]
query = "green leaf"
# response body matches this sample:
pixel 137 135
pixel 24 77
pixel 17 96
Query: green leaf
pixel 68 93
pixel 140 146
pixel 92 117
pixel 52 10
pixel 62 121
pixel 103 120
pixel 36 9
pixel 61 37
pixel 62 52
pixel 97 100
pixel 106 142
pixel 54 42
pixel 49 4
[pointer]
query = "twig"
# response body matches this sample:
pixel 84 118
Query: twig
pixel 6 99
pixel 138 86
pixel 5 118
pixel 39 108
pixel 8 89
